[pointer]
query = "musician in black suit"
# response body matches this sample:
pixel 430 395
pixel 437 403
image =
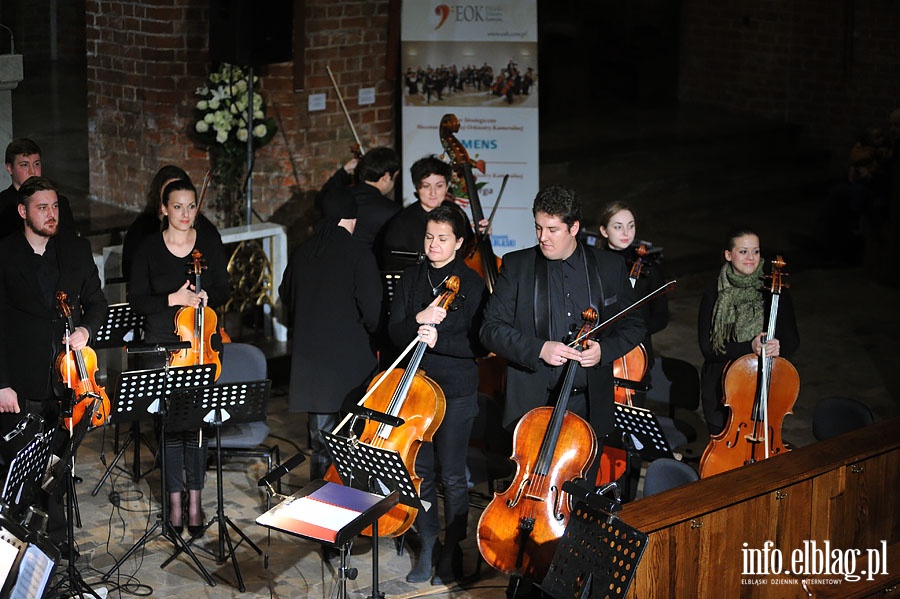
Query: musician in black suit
pixel 23 160
pixel 34 265
pixel 538 300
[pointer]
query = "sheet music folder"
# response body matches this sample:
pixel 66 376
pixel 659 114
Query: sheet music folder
pixel 328 512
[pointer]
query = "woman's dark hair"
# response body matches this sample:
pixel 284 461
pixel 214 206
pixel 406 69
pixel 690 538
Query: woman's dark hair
pixel 735 233
pixel 423 168
pixel 172 187
pixel 611 209
pixel 166 173
pixel 451 214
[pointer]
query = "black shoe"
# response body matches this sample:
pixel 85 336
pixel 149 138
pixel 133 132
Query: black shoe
pixel 178 529
pixel 428 555
pixel 449 566
pixel 196 531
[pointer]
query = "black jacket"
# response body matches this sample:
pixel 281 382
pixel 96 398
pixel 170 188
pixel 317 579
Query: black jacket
pixel 514 329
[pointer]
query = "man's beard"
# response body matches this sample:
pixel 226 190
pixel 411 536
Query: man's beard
pixel 46 231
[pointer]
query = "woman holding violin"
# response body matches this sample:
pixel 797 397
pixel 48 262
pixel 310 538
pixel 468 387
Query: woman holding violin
pixel 450 362
pixel 733 318
pixel 159 286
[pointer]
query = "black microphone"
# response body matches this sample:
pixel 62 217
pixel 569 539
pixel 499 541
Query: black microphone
pixel 146 348
pixel 377 416
pixel 280 470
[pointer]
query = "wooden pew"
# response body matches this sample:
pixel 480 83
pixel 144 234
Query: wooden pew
pixel 707 538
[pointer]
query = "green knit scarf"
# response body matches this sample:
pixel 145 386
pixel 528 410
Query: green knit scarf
pixel 738 313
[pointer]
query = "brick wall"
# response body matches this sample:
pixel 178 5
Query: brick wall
pixel 832 66
pixel 145 59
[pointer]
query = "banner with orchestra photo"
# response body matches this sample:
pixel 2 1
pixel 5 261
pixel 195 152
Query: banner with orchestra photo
pixel 478 62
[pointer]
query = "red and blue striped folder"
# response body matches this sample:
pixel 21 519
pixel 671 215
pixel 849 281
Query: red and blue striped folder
pixel 330 513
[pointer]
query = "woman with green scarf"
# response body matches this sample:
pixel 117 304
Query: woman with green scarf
pixel 734 315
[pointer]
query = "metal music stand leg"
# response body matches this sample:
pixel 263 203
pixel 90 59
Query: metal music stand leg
pixel 72 579
pixel 167 530
pixel 134 436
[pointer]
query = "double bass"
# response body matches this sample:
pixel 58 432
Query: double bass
pixel 78 369
pixel 412 396
pixel 197 326
pixel 759 392
pixel 519 530
pixel 482 259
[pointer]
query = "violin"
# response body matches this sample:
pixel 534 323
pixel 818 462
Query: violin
pixel 197 326
pixel 759 392
pixel 482 259
pixel 77 369
pixel 520 528
pixel 420 402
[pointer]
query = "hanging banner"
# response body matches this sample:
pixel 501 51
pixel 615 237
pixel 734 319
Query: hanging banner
pixel 478 62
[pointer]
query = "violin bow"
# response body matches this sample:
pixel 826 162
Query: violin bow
pixel 344 108
pixel 207 178
pixel 663 289
pixel 497 203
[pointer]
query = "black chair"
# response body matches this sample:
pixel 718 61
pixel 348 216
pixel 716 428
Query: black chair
pixel 665 473
pixel 833 416
pixel 245 362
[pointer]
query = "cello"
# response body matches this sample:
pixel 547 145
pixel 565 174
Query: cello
pixel 197 326
pixel 520 528
pixel 482 259
pixel 77 369
pixel 759 392
pixel 631 367
pixel 411 395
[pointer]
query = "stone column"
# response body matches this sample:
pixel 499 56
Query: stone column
pixel 10 75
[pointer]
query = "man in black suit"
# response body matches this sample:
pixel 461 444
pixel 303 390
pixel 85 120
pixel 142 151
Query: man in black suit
pixel 538 301
pixel 35 264
pixel 376 173
pixel 23 160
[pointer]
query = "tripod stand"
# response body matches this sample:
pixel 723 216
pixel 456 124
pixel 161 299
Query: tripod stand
pixel 138 386
pixel 63 475
pixel 192 408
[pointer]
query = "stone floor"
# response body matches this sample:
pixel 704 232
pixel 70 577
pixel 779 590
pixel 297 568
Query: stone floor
pixel 689 172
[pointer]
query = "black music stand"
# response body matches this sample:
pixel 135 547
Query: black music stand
pixel 332 514
pixel 27 557
pixel 63 473
pixel 122 326
pixel 26 471
pixel 374 468
pixel 639 434
pixel 148 391
pixel 232 403
pixel 597 550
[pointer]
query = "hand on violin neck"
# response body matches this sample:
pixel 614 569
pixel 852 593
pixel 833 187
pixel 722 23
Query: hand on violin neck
pixel 484 227
pixel 428 333
pixel 78 340
pixel 9 400
pixel 185 296
pixel 590 356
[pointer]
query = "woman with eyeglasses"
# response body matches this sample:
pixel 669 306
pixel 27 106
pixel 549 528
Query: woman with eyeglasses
pixel 451 364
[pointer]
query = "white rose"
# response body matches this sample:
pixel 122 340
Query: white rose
pixel 258 114
pixel 241 85
pixel 242 134
pixel 202 105
pixel 260 130
pixel 222 137
pixel 209 118
pixel 201 127
pixel 213 104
